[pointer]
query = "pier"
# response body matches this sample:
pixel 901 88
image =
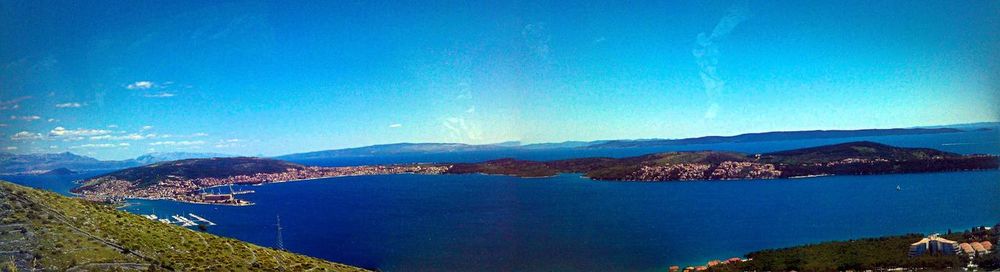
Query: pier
pixel 184 221
pixel 180 220
pixel 201 219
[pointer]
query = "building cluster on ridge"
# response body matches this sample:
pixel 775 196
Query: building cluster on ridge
pixel 934 244
pixel 708 265
pixel 698 171
pixel 187 189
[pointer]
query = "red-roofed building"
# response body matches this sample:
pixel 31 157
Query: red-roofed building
pixel 967 249
pixel 980 250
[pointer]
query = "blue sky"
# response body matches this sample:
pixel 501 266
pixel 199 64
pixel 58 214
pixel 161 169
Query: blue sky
pixel 129 77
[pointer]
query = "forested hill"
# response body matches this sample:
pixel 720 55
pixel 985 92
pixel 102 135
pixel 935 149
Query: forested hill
pixel 196 168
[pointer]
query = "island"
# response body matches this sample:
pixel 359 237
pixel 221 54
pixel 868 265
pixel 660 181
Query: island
pixel 852 158
pixel 186 180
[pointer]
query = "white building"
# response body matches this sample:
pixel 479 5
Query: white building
pixel 934 244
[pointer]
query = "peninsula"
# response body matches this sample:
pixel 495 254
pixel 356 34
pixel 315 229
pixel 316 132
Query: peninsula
pixel 853 158
pixel 184 180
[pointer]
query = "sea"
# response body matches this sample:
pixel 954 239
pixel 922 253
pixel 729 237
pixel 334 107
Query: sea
pixel 567 222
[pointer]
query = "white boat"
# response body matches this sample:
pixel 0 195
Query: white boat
pixel 184 221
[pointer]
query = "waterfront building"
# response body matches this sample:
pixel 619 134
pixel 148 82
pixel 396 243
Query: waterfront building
pixel 219 197
pixel 934 244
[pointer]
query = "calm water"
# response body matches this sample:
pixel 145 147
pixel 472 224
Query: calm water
pixel 477 222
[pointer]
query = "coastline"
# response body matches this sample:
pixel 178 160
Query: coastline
pixel 581 175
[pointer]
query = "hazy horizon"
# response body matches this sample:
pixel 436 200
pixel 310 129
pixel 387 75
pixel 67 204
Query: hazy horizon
pixel 503 142
pixel 262 78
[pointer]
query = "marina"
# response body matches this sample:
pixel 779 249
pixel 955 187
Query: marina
pixel 181 220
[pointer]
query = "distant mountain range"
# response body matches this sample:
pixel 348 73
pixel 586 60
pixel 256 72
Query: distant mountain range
pixel 775 136
pixel 37 163
pixel 173 156
pixel 415 148
pixel 426 148
pixel 41 163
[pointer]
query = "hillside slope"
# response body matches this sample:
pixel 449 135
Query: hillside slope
pixel 43 230
pixel 878 254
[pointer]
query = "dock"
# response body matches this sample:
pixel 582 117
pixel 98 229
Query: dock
pixel 180 220
pixel 184 221
pixel 201 219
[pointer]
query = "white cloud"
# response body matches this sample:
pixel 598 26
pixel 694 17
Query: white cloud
pixel 180 143
pixel 53 146
pixel 52 120
pixel 140 85
pixel 160 95
pixel 13 103
pixel 130 137
pixel 229 143
pixel 69 105
pixel 462 129
pixel 27 118
pixel 396 125
pixel 193 135
pixel 63 132
pixel 100 145
pixel 112 126
pixel 707 53
pixel 25 136
pixel 3 125
pixel 11 148
pixel 145 128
